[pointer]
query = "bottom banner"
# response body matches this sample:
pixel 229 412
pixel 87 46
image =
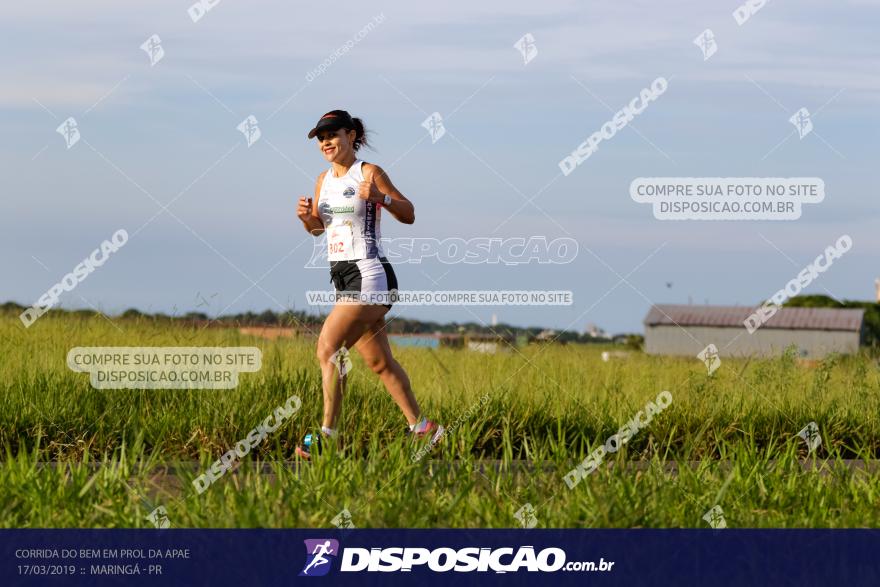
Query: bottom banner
pixel 433 557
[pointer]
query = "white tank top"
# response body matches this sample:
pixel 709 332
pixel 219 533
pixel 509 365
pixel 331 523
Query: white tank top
pixel 350 223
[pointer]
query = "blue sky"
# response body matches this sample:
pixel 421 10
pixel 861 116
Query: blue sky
pixel 169 131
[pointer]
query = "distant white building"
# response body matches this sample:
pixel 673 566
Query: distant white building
pixel 546 334
pixel 595 332
pixel 489 343
pixel 482 346
pixel 816 332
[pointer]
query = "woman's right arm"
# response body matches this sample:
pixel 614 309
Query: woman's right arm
pixel 307 211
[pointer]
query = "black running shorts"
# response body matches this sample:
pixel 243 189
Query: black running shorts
pixel 370 281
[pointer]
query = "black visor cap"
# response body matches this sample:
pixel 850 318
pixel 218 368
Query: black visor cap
pixel 332 121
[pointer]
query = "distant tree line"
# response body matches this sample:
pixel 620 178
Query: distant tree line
pixel 401 325
pixel 302 319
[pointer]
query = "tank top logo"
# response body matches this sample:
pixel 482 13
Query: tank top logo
pixel 352 224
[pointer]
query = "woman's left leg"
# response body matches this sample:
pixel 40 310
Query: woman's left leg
pixel 373 346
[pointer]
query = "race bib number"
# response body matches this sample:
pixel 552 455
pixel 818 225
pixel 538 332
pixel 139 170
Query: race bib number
pixel 339 242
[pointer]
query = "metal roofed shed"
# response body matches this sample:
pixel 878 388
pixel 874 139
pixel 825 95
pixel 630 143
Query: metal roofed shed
pixel 816 332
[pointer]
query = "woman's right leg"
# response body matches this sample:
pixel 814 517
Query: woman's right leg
pixel 342 328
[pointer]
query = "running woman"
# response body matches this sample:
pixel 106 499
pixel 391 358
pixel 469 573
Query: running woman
pixel 349 198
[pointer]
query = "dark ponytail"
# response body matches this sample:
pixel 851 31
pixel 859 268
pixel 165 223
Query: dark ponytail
pixel 360 140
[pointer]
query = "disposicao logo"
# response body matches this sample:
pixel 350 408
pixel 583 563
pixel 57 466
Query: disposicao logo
pixel 320 553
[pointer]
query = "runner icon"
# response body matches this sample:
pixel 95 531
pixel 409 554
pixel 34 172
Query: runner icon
pixel 319 552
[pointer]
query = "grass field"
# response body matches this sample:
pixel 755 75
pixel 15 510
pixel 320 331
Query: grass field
pixel 523 420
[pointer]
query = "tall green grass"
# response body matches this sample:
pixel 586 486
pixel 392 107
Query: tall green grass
pixel 525 418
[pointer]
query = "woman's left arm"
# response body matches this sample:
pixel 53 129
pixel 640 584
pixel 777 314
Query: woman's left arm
pixel 376 185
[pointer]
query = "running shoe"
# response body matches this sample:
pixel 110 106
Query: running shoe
pixel 428 429
pixel 311 443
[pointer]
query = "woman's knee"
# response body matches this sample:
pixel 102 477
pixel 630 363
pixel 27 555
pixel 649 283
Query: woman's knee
pixel 326 353
pixel 379 364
